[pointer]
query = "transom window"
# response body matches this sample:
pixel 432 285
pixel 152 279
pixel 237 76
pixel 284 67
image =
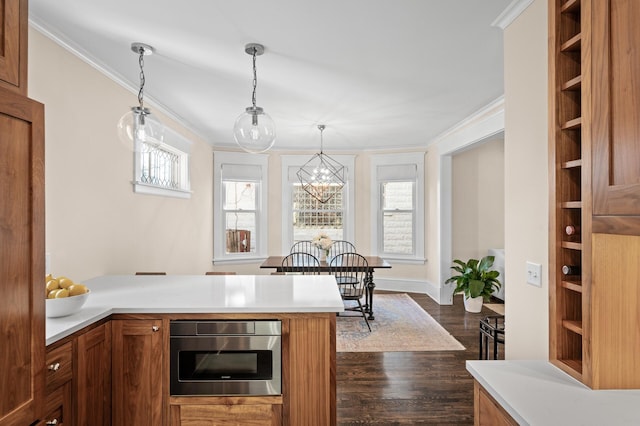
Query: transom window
pixel 163 169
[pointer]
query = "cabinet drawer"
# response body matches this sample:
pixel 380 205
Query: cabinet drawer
pixel 58 407
pixel 58 366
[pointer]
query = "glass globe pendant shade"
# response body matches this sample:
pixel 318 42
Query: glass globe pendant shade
pixel 254 131
pixel 138 126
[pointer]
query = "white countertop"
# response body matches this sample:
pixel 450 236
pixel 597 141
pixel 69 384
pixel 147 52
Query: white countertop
pixel 538 393
pixel 163 294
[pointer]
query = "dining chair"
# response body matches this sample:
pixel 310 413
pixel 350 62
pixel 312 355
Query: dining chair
pixel 301 263
pixel 304 246
pixel 339 247
pixel 350 271
pixel 219 273
pixel 151 273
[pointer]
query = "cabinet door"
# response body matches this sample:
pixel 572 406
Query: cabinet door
pixel 93 377
pixel 614 120
pixel 247 414
pixel 22 349
pixel 13 45
pixel 137 372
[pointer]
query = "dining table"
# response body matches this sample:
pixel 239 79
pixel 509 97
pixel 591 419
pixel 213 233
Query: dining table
pixel 373 263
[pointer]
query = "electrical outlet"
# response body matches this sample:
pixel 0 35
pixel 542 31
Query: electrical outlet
pixel 534 274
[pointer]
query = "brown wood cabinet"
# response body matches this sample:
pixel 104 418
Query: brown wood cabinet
pixel 13 45
pixel 594 95
pixel 22 309
pixel 59 373
pixel 258 411
pixel 138 368
pixel 92 378
pixel 487 412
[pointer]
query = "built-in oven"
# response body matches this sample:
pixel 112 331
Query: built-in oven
pixel 226 357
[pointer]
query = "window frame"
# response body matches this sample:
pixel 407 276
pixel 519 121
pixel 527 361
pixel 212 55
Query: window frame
pixel 177 144
pixel 377 218
pixel 220 256
pixel 348 196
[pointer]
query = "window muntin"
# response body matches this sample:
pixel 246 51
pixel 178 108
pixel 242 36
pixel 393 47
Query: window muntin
pixel 398 217
pixel 239 210
pixel 311 217
pixel 239 207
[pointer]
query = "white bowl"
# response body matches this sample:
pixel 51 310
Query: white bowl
pixel 65 305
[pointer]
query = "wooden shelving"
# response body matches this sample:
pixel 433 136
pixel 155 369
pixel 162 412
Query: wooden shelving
pixel 567 196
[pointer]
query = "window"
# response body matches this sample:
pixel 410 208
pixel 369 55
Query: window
pixel 398 206
pixel 304 216
pixel 240 187
pixel 163 169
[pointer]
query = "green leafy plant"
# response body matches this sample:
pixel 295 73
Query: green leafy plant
pixel 475 277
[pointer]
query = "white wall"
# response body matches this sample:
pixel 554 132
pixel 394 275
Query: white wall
pixel 95 224
pixel 526 182
pixel 478 200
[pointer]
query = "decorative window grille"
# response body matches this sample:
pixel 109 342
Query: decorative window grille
pixel 163 169
pixel 310 216
pixel 160 167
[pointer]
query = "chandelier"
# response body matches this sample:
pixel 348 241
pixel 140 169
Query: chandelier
pixel 254 131
pixel 322 176
pixel 138 126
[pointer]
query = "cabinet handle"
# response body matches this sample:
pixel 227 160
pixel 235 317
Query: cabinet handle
pixel 155 328
pixel 52 422
pixel 54 367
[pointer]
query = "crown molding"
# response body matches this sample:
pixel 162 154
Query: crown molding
pixel 511 13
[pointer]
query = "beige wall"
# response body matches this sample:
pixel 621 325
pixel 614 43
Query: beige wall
pixel 478 200
pixel 526 183
pixel 95 224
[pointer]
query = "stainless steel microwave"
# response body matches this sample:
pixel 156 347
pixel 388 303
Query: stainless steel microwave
pixel 226 357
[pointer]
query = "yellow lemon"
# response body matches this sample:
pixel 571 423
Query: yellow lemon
pixel 77 289
pixel 63 292
pixel 53 284
pixel 65 282
pixel 48 277
pixel 52 294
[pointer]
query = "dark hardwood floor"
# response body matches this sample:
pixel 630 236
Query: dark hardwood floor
pixel 408 388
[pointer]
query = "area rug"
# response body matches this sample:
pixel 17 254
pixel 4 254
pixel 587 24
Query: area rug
pixel 400 325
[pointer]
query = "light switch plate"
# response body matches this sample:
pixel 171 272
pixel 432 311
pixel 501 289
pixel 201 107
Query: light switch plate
pixel 534 274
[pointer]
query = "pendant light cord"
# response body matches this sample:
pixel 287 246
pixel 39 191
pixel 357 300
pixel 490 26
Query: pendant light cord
pixel 142 79
pixel 321 127
pixel 255 78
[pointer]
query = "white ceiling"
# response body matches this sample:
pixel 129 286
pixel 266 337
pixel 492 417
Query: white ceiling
pixel 378 73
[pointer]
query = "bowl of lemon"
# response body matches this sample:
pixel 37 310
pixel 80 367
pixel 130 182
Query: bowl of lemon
pixel 64 296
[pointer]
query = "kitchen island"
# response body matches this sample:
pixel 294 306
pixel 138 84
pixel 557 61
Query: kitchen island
pixel 130 317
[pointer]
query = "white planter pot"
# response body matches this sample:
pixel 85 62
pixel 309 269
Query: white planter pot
pixel 473 304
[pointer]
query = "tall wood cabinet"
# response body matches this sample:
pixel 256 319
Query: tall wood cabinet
pixel 13 45
pixel 22 350
pixel 594 95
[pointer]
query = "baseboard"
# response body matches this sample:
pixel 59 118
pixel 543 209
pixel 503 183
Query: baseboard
pixel 439 294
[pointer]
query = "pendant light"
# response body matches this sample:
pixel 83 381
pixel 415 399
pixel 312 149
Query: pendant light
pixel 322 176
pixel 138 126
pixel 254 130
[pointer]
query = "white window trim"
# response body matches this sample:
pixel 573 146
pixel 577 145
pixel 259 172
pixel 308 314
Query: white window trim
pixel 416 158
pixel 348 220
pixel 219 240
pixel 181 146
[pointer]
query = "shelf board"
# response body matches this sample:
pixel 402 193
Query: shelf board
pixel 573 84
pixel 572 245
pixel 574 364
pixel 572 325
pixel 570 6
pixel 573 44
pixel 572 164
pixel 576 123
pixel 571 205
pixel 573 285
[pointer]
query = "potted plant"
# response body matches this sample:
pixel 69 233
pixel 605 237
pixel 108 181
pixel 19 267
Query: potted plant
pixel 475 280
